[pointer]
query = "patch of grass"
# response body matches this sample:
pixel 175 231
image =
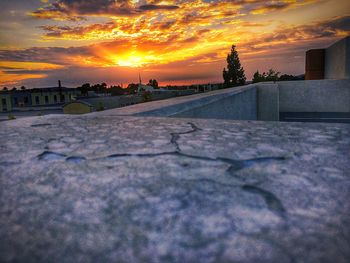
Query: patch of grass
pixel 11 117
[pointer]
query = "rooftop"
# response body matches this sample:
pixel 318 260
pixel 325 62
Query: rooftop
pixel 102 187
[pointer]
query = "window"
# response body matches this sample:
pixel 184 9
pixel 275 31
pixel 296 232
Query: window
pixel 63 98
pixel 4 104
pixel 36 99
pixel 55 98
pixel 15 101
pixel 26 100
pixel 46 99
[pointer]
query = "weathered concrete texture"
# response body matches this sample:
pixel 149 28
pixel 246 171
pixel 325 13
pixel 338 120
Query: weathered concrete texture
pixel 337 62
pixel 131 189
pixel 314 96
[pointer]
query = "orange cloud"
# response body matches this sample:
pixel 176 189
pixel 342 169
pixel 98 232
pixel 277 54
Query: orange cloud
pixel 159 33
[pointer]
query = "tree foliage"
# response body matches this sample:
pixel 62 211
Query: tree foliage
pixel 116 90
pixel 273 75
pixel 234 74
pixel 153 83
pixel 132 88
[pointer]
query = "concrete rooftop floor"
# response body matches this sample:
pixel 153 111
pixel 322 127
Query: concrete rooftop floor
pixel 143 189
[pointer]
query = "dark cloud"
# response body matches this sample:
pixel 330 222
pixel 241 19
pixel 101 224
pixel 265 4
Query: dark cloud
pixel 158 7
pixel 76 9
pixel 55 55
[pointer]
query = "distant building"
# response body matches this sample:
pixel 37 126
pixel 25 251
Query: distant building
pixel 144 88
pixel 329 63
pixel 21 98
pixel 196 87
pixel 12 99
pixel 5 102
pixel 51 96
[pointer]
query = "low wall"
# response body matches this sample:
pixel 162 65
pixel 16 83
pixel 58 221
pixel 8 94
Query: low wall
pixel 240 106
pixel 239 103
pixel 314 96
pixel 262 101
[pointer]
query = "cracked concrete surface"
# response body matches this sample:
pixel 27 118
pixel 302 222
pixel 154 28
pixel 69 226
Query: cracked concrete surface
pixel 131 189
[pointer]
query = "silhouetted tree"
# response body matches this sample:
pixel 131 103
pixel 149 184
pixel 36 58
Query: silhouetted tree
pixel 286 77
pixel 84 88
pixel 153 83
pixel 258 77
pixel 103 87
pixel 5 88
pixel 116 90
pixel 23 88
pixel 273 75
pixel 132 88
pixel 14 88
pixel 234 74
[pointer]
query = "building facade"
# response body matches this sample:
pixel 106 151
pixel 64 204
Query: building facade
pixel 5 102
pixel 15 99
pixel 52 96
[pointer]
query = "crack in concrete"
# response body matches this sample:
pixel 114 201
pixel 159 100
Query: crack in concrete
pixel 175 136
pixel 235 165
pixel 41 125
pixel 272 202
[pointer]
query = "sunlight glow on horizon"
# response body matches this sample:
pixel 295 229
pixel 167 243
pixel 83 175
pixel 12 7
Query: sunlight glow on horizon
pixel 173 41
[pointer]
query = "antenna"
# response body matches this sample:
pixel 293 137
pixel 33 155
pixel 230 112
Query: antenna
pixel 140 77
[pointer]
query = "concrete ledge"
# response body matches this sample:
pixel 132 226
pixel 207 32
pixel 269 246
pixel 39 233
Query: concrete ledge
pixel 193 105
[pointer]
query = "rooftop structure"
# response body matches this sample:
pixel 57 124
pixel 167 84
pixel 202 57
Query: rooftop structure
pixel 329 63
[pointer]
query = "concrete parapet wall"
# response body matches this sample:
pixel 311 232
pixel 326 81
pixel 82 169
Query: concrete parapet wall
pixel 240 106
pixel 262 101
pixel 314 96
pixel 268 102
pixel 233 103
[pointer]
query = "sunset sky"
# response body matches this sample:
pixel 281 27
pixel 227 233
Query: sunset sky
pixel 175 42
